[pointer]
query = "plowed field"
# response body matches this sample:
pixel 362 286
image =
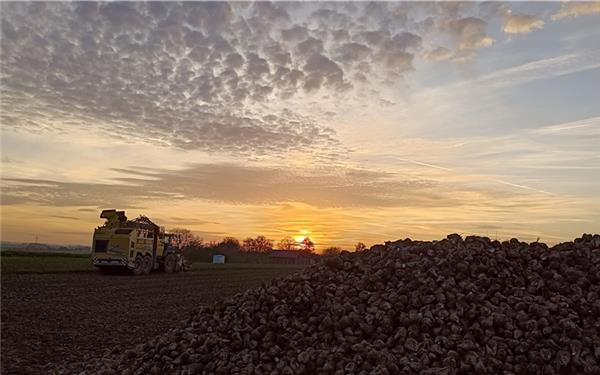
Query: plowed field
pixel 53 317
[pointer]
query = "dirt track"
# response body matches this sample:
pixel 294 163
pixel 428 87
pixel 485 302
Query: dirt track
pixel 50 318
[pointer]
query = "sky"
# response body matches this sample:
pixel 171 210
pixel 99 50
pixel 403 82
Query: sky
pixel 340 121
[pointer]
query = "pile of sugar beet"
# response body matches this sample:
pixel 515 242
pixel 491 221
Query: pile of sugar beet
pixel 455 306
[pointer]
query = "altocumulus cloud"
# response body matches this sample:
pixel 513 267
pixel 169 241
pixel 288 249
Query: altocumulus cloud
pixel 577 9
pixel 203 76
pixel 521 23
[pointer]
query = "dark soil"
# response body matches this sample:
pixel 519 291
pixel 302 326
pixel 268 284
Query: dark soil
pixel 54 318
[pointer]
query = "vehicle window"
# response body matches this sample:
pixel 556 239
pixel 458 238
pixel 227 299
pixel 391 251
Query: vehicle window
pixel 101 246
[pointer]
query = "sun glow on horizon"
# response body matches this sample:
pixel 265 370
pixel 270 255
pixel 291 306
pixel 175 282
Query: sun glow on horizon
pixel 299 238
pixel 304 233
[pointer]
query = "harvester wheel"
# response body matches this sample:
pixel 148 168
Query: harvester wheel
pixel 146 265
pixel 170 263
pixel 138 265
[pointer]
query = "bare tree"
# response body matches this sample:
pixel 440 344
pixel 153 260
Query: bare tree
pixel 360 246
pixel 248 244
pixel 287 243
pixel 307 245
pixel 260 244
pixel 182 238
pixel 229 243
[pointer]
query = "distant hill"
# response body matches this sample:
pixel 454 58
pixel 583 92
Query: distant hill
pixel 44 248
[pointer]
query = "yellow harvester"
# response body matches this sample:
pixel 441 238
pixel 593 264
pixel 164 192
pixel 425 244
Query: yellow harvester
pixel 139 245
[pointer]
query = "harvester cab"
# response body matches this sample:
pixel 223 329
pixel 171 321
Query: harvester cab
pixel 113 217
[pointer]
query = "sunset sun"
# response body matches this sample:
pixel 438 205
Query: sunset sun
pixel 299 238
pixel 304 233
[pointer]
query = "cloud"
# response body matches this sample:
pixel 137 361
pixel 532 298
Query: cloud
pixel 323 72
pixel 271 11
pixel 521 23
pixel 470 33
pixel 310 46
pixel 65 217
pixel 172 74
pixel 577 9
pixel 352 52
pixel 295 33
pixel 375 37
pixel 215 76
pixel 184 221
pixel 257 66
pixel 231 183
pixel 438 54
pixel 396 53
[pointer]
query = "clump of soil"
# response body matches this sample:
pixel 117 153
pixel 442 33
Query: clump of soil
pixel 455 306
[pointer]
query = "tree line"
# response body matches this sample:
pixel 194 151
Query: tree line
pixel 184 238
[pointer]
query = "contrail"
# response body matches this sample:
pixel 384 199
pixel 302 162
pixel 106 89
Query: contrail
pixel 492 179
pixel 584 123
pixel 521 186
pixel 426 164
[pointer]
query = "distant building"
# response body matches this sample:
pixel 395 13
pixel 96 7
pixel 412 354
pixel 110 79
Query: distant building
pixel 291 257
pixel 218 259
